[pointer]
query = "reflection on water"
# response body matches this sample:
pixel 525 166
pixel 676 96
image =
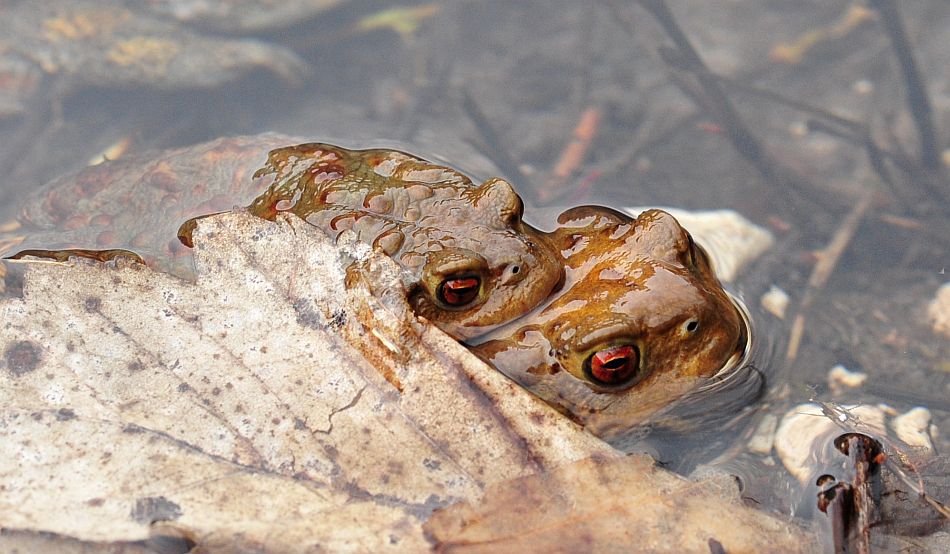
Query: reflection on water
pixel 510 88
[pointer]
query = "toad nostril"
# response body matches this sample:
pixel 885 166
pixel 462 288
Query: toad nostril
pixel 512 273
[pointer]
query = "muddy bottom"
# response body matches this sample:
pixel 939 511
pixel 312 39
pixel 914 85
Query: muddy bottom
pixel 595 103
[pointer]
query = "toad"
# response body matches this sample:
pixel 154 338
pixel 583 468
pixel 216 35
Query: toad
pixel 640 321
pixel 475 263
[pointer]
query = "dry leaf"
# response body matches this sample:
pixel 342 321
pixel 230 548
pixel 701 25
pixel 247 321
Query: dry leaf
pixel 287 400
pixel 246 408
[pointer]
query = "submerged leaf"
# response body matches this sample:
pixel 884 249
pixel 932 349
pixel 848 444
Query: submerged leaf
pixel 612 505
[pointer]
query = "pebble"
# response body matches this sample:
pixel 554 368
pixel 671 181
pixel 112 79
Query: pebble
pixel 762 440
pixel 913 428
pixel 939 311
pixel 775 302
pixel 840 378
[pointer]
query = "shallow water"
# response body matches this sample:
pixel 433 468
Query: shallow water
pixel 504 89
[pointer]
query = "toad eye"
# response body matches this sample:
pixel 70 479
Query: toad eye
pixel 459 291
pixel 613 366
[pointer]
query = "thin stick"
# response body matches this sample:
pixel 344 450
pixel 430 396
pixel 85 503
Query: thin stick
pixel 850 130
pixel 789 102
pixel 861 453
pixel 917 98
pixel 492 142
pixel 744 141
pixel 573 154
pixel 824 268
pixel 721 109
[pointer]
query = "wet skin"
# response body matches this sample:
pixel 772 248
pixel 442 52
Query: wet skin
pixel 640 321
pixel 475 263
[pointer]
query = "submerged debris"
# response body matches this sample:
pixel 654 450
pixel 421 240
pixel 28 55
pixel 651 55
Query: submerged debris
pixel 775 301
pixel 939 311
pixel 914 429
pixel 804 437
pixel 840 378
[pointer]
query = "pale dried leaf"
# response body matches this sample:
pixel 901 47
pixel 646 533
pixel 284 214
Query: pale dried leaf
pixel 246 408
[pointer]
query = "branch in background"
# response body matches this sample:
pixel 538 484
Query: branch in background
pixel 711 97
pixel 859 135
pixel 491 143
pixel 917 98
pixel 573 154
pixel 822 271
pixel 854 132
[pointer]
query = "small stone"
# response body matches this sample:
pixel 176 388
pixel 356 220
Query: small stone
pixel 913 428
pixel 840 378
pixel 863 86
pixel 798 129
pixel 761 442
pixel 775 301
pixel 939 311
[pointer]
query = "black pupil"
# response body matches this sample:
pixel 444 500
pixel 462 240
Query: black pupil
pixel 459 291
pixel 616 365
pixel 692 326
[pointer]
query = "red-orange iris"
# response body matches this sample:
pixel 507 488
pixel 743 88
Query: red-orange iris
pixel 615 365
pixel 458 292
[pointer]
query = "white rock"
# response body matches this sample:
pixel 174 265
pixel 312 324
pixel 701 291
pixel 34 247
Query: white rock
pixel 764 437
pixel 939 311
pixel 775 301
pixel 840 377
pixel 913 428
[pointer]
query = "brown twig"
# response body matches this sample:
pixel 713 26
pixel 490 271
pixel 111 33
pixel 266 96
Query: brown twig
pixel 864 453
pixel 573 154
pixel 824 268
pixel 917 98
pixel 720 108
pixel 491 143
pixel 838 502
